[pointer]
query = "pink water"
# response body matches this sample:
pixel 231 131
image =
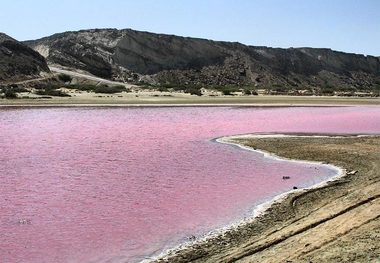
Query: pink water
pixel 121 184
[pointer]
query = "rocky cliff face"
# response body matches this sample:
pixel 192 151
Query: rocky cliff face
pixel 124 54
pixel 18 61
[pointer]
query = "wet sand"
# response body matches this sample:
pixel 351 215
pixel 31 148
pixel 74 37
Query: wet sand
pixel 336 222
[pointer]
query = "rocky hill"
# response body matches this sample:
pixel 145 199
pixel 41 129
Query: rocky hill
pixel 18 61
pixel 173 60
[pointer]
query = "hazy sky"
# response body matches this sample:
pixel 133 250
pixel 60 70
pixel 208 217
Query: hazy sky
pixel 346 25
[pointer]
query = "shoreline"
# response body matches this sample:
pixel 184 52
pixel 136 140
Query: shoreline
pixel 189 105
pixel 178 253
pixel 185 100
pixel 175 105
pixel 261 208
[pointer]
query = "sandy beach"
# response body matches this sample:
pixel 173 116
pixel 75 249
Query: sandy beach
pixel 162 98
pixel 338 221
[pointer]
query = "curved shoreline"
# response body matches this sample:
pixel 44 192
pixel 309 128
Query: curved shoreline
pixel 262 208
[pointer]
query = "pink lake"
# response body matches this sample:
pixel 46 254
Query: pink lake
pixel 123 184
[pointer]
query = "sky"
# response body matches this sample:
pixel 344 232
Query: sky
pixel 345 25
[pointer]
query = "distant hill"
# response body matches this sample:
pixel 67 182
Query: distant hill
pixel 173 60
pixel 18 61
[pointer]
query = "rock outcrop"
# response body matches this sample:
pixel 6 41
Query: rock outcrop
pixel 18 61
pixel 167 59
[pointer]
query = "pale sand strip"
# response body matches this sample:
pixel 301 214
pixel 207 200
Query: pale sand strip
pixel 153 98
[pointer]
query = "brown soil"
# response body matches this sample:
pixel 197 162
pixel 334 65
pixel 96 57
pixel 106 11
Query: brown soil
pixel 339 222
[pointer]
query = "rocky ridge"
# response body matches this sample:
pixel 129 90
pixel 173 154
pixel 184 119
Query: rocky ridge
pixel 18 61
pixel 134 56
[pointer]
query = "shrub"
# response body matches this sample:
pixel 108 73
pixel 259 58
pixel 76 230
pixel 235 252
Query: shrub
pixel 162 89
pixel 327 90
pixel 10 93
pixel 48 86
pixel 109 90
pixel 279 88
pixel 248 92
pixel 19 89
pixel 169 86
pixel 226 92
pixel 64 77
pixel 347 89
pixel 99 89
pixel 194 91
pixel 83 87
pixel 52 92
pixel 148 87
pixel 14 87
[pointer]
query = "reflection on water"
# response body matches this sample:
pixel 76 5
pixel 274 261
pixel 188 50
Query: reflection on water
pixel 117 184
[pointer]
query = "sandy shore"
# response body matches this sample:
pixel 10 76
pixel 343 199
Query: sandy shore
pixel 157 98
pixel 336 222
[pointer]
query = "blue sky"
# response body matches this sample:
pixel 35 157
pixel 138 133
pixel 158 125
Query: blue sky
pixel 345 25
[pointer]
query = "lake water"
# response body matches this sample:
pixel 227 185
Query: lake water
pixel 120 184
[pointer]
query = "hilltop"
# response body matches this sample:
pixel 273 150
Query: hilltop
pixel 168 60
pixel 18 61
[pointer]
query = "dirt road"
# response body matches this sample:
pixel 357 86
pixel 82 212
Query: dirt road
pixel 87 76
